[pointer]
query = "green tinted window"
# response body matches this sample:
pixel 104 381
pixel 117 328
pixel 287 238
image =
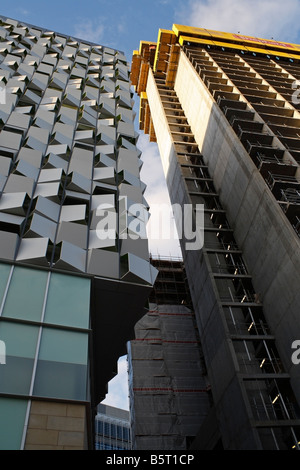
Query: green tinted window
pixel 62 365
pixel 68 301
pixel 63 346
pixel 26 294
pixel 12 420
pixel 21 342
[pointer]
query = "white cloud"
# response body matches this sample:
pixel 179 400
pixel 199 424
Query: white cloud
pixel 89 30
pixel 22 11
pixel 157 197
pixel 263 18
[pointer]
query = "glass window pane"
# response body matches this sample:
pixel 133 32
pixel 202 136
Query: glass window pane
pixel 26 294
pixel 20 341
pixel 68 301
pixel 64 346
pixel 62 365
pixel 12 420
pixel 4 273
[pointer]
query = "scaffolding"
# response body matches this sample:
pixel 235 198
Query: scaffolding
pixel 169 391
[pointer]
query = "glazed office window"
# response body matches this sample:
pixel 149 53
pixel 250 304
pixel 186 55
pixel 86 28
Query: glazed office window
pixel 62 365
pixel 12 419
pixel 68 301
pixel 4 274
pixel 21 343
pixel 26 293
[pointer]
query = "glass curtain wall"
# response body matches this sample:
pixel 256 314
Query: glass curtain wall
pixel 44 324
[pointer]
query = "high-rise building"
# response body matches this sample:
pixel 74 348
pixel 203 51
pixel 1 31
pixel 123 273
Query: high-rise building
pixel 112 428
pixel 75 271
pixel 224 111
pixel 168 388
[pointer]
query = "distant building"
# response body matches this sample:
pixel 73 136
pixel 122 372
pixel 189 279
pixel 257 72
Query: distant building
pixel 224 110
pixel 112 428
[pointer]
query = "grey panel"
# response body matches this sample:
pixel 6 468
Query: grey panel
pixel 73 233
pixel 71 257
pixel 47 208
pixel 8 244
pixel 136 269
pixel 42 227
pixel 34 251
pixel 103 263
pixel 14 203
pixel 18 183
pixel 75 212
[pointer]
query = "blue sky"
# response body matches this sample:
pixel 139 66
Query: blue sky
pixel 121 24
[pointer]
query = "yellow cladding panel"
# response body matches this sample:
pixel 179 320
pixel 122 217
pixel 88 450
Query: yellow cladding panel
pixel 248 40
pixel 143 77
pixel 238 47
pixel 184 39
pixel 230 45
pixel 145 44
pixel 181 30
pixel 270 52
pixel 189 30
pixel 135 69
pixel 143 110
pixel 197 32
pixel 164 41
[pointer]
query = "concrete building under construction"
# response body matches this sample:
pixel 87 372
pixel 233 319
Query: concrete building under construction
pixel 224 111
pixel 168 387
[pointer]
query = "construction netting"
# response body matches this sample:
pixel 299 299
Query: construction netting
pixel 169 392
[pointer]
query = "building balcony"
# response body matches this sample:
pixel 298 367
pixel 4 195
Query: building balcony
pixel 291 196
pixel 225 104
pixel 242 80
pixel 276 109
pixel 241 126
pixel 245 328
pixel 285 131
pixel 250 139
pixel 217 86
pixel 277 183
pixel 214 81
pixel 270 160
pixel 291 143
pixel 290 204
pixel 261 365
pixel 238 114
pixel 265 408
pixel 221 246
pixel 233 298
pixel 229 269
pixel 223 94
pixel 257 92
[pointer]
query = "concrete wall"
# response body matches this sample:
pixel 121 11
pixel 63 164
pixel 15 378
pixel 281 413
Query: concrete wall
pixel 270 246
pixel 215 342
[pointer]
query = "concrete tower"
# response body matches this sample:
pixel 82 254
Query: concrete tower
pixel 224 110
